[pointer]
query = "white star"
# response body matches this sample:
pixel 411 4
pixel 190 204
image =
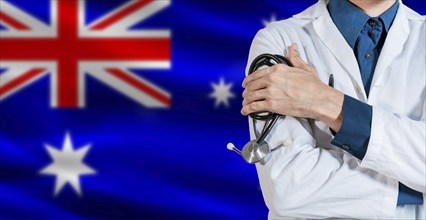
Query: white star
pixel 222 93
pixel 67 165
pixel 272 19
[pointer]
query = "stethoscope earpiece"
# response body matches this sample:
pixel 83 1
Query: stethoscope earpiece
pixel 258 151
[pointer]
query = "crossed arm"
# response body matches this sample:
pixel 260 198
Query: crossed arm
pixel 305 178
pixel 294 91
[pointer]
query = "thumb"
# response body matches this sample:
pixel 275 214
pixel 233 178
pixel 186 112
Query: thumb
pixel 294 57
pixel 297 61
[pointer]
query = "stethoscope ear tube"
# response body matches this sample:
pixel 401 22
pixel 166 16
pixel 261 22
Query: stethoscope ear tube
pixel 265 60
pixel 258 150
pixel 259 62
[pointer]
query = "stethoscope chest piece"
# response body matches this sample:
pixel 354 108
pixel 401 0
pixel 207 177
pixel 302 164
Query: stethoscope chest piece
pixel 254 152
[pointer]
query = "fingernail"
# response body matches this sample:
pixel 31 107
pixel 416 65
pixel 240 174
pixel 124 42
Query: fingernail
pixel 295 47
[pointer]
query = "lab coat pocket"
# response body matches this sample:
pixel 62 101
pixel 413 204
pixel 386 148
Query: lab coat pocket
pixel 295 135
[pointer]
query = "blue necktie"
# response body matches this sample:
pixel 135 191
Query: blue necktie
pixel 367 50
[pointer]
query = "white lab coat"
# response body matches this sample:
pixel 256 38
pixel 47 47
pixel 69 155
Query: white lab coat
pixel 310 178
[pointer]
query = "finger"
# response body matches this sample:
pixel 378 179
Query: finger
pixel 255 85
pixel 256 96
pixel 259 106
pixel 298 62
pixel 294 57
pixel 256 75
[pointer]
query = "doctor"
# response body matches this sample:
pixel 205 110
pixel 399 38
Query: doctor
pixel 356 150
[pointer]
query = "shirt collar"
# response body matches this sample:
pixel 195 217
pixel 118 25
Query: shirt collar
pixel 389 15
pixel 350 20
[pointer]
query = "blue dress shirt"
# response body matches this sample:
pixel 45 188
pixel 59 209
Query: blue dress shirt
pixel 366 36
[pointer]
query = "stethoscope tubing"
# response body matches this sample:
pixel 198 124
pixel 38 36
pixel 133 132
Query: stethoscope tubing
pixel 258 62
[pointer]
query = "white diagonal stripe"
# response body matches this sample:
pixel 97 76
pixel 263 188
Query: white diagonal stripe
pixel 37 27
pixel 139 15
pixel 117 84
pixel 120 28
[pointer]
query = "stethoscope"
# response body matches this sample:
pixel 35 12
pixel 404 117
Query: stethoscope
pixel 258 150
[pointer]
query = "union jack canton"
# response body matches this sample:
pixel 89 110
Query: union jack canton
pixel 67 49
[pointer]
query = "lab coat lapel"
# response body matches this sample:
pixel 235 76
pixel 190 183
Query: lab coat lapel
pixel 394 44
pixel 336 43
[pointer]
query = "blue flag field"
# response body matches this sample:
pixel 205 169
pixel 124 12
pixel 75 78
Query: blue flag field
pixel 123 108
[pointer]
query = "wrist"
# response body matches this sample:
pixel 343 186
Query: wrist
pixel 330 108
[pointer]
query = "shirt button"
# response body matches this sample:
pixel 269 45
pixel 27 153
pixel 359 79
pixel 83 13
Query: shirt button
pixel 368 55
pixel 346 147
pixel 372 23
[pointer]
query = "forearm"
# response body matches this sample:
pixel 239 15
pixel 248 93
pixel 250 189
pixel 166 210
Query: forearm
pixel 301 179
pixel 354 135
pixel 397 148
pixel 329 108
pixel 400 158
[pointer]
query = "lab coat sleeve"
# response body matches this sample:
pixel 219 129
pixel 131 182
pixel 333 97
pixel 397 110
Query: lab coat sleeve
pixel 302 180
pixel 397 148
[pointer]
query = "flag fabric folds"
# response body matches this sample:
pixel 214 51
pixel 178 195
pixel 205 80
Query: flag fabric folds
pixel 123 109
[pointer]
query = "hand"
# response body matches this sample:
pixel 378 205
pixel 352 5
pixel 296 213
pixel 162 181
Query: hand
pixel 294 91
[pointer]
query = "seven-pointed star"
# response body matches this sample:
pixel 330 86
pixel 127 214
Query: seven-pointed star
pixel 271 20
pixel 67 165
pixel 222 93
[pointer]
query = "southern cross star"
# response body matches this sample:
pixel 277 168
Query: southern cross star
pixel 222 93
pixel 67 165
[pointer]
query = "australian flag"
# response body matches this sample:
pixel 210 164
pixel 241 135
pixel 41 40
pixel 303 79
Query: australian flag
pixel 123 108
